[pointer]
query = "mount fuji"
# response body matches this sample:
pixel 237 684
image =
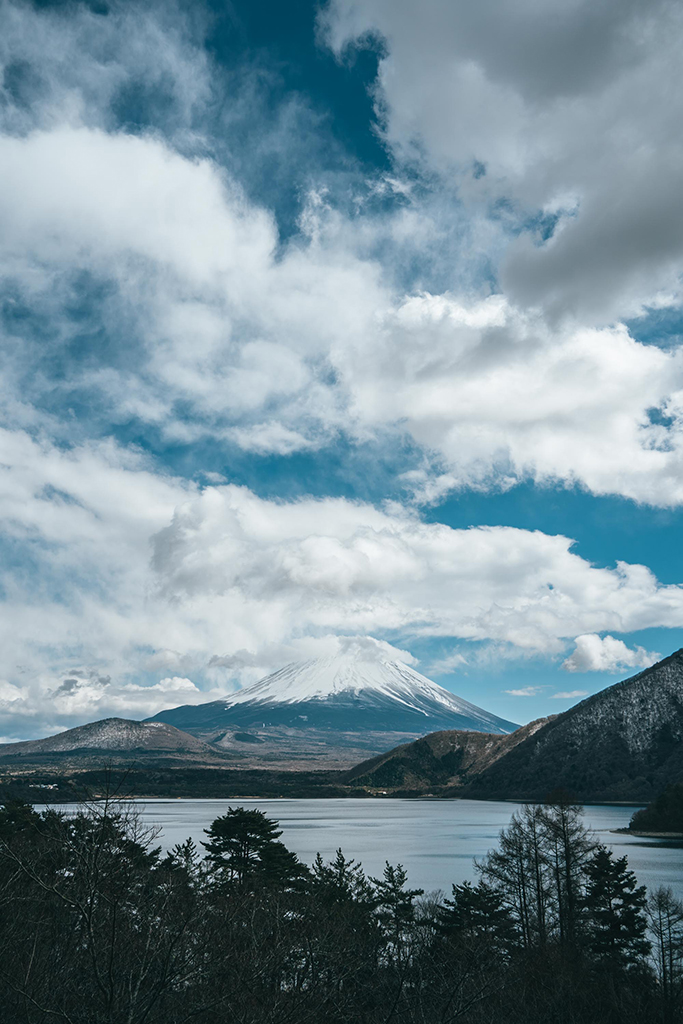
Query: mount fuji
pixel 358 697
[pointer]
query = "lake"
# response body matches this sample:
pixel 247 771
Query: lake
pixel 435 840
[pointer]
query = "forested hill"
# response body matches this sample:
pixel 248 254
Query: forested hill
pixel 664 816
pixel 623 743
pixel 442 761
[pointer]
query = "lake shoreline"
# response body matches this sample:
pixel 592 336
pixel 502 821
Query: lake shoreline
pixel 435 840
pixel 50 786
pixel 649 835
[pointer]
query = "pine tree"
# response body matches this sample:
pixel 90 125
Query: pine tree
pixel 342 880
pixel 478 915
pixel 395 904
pixel 279 867
pixel 238 841
pixel 615 905
pixel 183 859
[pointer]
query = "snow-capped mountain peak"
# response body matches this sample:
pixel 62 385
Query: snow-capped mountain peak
pixel 360 687
pixel 361 673
pixel 349 672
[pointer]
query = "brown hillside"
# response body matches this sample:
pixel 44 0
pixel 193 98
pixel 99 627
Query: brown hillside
pixel 442 760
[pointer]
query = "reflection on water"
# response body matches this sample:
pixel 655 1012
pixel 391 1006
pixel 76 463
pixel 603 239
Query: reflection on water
pixel 436 841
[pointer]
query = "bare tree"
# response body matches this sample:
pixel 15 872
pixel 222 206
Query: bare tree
pixel 665 915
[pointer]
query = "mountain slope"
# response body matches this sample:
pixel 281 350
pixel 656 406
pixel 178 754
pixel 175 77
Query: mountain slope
pixel 441 761
pixel 623 743
pixel 353 692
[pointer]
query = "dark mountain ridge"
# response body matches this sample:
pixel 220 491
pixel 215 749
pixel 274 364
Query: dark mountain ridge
pixel 623 743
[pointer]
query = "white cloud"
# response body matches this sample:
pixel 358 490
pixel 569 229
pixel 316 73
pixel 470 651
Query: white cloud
pixel 562 105
pixel 500 396
pixel 569 694
pixel 280 349
pixel 593 653
pixel 281 353
pixel 270 439
pixel 453 662
pixel 9 693
pixel 525 691
pixel 331 564
pixel 75 65
pixel 46 705
pixel 239 584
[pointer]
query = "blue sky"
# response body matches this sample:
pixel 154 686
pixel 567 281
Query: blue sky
pixel 337 319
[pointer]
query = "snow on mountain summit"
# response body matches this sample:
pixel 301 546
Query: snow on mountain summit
pixel 360 687
pixel 351 672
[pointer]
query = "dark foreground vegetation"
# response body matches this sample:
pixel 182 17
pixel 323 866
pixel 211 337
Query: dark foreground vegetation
pixel 97 927
pixel 57 783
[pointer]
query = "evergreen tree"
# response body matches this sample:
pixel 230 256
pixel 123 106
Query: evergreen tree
pixel 183 859
pixel 395 904
pixel 342 880
pixel 279 867
pixel 478 915
pixel 238 842
pixel 665 814
pixel 615 905
pixel 16 817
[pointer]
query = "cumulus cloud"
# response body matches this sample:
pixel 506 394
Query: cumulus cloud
pixel 223 332
pixel 335 564
pixel 525 691
pixel 569 694
pixel 83 66
pixel 331 563
pixel 230 329
pixel 556 109
pixel 249 665
pixel 593 653
pixel 501 397
pixel 239 584
pixel 41 709
pixel 226 333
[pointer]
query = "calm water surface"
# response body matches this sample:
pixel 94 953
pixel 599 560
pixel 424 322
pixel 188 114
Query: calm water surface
pixel 434 840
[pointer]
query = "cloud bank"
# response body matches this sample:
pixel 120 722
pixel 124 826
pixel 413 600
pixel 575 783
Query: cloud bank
pixel 557 108
pixel 239 584
pixel 282 351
